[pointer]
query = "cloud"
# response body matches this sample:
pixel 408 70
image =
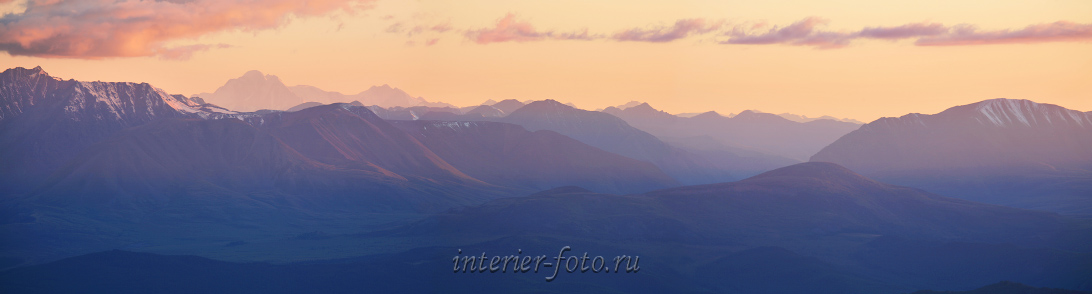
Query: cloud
pixel 806 33
pixel 440 28
pixel 903 31
pixel 681 29
pixel 507 29
pixel 800 33
pixel 1062 31
pixel 92 29
pixel 510 29
pixel 184 52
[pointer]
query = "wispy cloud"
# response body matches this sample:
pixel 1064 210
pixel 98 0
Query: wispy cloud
pixel 904 31
pixel 184 52
pixel 1062 31
pixel 681 29
pixel 800 33
pixel 92 29
pixel 807 33
pixel 511 29
pixel 400 27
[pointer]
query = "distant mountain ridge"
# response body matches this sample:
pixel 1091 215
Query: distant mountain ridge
pixel 255 91
pixel 788 116
pixel 763 132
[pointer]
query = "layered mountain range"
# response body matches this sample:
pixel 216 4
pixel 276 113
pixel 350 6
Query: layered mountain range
pixel 380 195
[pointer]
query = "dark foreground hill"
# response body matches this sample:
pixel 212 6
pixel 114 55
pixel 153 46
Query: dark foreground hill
pixel 1006 288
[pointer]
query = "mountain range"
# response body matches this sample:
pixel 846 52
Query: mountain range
pixel 380 196
pixel 612 134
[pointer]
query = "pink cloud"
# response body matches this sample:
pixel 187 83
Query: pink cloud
pixel 440 28
pixel 507 29
pixel 1062 31
pixel 510 29
pixel 184 52
pixel 431 42
pixel 681 29
pixel 92 29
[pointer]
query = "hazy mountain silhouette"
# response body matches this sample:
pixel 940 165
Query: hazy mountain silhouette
pixel 804 118
pixel 764 132
pixel 1012 152
pixel 254 91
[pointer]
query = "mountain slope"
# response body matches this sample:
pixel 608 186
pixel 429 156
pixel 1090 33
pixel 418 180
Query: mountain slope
pixel 47 121
pixel 346 135
pixel 169 165
pixel 1013 152
pixel 612 134
pixel 508 155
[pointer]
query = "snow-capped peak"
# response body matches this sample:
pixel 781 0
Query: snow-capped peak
pixel 1020 112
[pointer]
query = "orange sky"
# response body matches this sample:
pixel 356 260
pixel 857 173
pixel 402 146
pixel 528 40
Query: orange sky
pixel 473 57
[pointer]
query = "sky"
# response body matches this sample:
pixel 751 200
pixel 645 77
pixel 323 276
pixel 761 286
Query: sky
pixel 847 58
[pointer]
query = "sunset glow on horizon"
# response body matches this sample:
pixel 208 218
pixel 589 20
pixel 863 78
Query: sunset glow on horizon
pixel 848 59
